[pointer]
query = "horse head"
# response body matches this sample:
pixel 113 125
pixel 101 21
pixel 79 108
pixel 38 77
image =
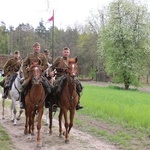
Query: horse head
pixel 72 67
pixel 36 73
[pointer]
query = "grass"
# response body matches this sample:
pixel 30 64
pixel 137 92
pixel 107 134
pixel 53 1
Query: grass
pixel 116 115
pixel 5 142
pixel 131 108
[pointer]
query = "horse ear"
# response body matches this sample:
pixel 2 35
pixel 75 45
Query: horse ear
pixel 76 59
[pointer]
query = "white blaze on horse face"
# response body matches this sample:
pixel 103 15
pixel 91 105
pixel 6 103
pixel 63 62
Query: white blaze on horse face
pixel 36 70
pixel 73 69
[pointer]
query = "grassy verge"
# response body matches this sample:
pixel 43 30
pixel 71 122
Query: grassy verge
pixel 116 115
pixel 5 142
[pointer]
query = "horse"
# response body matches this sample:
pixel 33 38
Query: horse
pixel 34 102
pixel 14 95
pixel 67 101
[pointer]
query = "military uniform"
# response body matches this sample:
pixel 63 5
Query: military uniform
pixel 48 57
pixel 10 68
pixel 61 64
pixel 41 59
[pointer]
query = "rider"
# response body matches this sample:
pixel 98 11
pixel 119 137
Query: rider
pixel 48 57
pixel 39 57
pixel 11 67
pixel 60 64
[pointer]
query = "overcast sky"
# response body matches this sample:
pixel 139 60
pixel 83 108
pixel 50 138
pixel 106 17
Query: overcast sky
pixel 67 12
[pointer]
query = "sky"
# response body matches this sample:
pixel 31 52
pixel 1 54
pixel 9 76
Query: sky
pixel 66 12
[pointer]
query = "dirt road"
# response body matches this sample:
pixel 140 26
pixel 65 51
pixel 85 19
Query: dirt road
pixel 78 139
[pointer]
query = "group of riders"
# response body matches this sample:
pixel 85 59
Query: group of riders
pixel 49 70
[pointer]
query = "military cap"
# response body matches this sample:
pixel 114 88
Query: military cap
pixel 36 44
pixel 16 52
pixel 66 48
pixel 45 50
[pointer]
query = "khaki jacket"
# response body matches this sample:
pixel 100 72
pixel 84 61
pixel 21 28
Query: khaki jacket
pixel 34 57
pixel 60 64
pixel 12 66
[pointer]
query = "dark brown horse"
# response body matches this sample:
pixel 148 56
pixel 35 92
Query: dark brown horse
pixel 34 102
pixel 68 100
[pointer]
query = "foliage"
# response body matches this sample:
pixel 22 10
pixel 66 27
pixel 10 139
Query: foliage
pixel 124 41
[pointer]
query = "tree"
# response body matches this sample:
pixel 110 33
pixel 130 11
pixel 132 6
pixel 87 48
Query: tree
pixel 125 41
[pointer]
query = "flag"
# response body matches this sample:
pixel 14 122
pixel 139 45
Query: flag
pixel 51 18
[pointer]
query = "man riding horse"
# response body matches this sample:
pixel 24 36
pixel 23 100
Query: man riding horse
pixel 60 64
pixel 41 60
pixel 10 68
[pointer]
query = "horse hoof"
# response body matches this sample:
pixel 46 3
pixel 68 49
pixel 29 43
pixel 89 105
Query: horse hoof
pixel 3 118
pixel 18 118
pixel 32 134
pixel 39 144
pixel 46 124
pixel 64 133
pixel 15 124
pixel 25 132
pixel 67 141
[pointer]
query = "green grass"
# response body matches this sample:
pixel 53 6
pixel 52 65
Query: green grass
pixel 116 115
pixel 131 108
pixel 5 142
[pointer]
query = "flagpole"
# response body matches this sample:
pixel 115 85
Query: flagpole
pixel 53 39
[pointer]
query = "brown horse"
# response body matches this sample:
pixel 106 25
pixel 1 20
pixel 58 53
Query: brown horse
pixel 68 100
pixel 34 102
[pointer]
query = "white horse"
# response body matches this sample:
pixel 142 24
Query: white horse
pixel 14 95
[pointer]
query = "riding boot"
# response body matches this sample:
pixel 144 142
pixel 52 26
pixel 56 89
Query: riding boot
pixel 78 106
pixel 6 89
pixel 60 85
pixel 79 86
pixel 46 85
pixel 2 82
pixel 25 84
pixel 22 100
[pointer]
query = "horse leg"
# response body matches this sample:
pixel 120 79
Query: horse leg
pixel 26 123
pixel 46 115
pixel 3 105
pixel 50 120
pixel 20 113
pixel 40 114
pixel 72 113
pixel 66 126
pixel 13 107
pixel 32 128
pixel 11 111
pixel 15 120
pixel 60 122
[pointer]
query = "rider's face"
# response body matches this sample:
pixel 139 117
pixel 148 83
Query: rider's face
pixel 66 53
pixel 36 48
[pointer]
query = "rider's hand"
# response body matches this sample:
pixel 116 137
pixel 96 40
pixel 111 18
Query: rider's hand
pixel 51 74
